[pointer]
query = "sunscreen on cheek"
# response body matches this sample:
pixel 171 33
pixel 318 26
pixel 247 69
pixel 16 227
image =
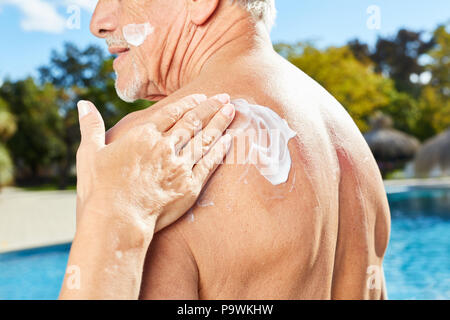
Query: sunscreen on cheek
pixel 136 34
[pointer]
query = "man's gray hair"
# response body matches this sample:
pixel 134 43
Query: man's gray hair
pixel 260 9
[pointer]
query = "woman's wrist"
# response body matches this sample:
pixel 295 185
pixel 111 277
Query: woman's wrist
pixel 107 247
pixel 117 212
pixel 131 227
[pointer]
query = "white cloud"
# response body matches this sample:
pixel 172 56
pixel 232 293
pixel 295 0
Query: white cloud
pixel 38 15
pixel 88 5
pixel 43 15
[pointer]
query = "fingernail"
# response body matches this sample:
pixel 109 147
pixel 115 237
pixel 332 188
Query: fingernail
pixel 228 110
pixel 199 98
pixel 84 108
pixel 223 98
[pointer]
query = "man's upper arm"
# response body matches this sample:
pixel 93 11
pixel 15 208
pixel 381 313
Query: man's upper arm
pixel 170 271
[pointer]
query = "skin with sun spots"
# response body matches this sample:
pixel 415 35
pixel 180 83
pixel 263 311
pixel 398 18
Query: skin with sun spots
pixel 314 236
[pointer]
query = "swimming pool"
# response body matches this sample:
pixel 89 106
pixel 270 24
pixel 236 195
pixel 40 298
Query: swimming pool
pixel 417 263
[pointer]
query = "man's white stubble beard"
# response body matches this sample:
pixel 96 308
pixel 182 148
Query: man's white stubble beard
pixel 131 92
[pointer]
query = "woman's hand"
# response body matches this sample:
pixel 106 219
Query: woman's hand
pixel 137 185
pixel 157 170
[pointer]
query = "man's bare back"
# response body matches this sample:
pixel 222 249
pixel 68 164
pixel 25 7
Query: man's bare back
pixel 320 235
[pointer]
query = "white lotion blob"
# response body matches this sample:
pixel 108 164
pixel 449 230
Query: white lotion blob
pixel 268 137
pixel 136 34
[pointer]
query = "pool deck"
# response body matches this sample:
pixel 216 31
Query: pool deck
pixel 432 182
pixel 404 185
pixel 30 219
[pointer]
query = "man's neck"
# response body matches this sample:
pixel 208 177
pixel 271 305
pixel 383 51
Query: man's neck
pixel 214 47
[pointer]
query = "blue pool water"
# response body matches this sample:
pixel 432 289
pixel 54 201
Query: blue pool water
pixel 33 274
pixel 417 263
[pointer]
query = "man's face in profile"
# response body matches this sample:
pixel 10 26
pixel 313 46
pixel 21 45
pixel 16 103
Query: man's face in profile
pixel 142 34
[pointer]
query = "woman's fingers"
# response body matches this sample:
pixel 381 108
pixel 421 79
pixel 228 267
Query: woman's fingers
pixel 196 119
pixel 167 116
pixel 92 126
pixel 209 163
pixel 200 145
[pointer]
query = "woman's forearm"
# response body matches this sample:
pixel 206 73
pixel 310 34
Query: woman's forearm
pixel 107 257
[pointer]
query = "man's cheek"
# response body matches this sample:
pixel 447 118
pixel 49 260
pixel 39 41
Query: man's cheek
pixel 136 34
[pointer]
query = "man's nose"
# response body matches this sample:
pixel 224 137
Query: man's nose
pixel 105 18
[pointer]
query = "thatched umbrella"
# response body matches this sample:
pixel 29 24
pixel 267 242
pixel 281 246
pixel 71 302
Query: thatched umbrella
pixel 391 148
pixel 433 159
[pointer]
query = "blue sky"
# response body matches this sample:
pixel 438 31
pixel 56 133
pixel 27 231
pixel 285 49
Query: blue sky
pixel 30 29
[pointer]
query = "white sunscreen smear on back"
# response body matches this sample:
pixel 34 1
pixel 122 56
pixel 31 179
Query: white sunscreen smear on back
pixel 268 137
pixel 135 34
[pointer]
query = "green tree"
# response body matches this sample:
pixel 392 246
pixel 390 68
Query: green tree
pixel 6 166
pixel 353 83
pixel 420 109
pixel 399 58
pixel 436 95
pixel 429 114
pixel 361 51
pixel 440 64
pixel 8 123
pixel 434 111
pixel 408 115
pixel 7 129
pixel 37 142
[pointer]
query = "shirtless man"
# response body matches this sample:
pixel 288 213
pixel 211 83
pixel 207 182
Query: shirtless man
pixel 320 235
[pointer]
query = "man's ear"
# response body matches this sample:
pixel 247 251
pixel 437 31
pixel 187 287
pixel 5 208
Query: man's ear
pixel 202 10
